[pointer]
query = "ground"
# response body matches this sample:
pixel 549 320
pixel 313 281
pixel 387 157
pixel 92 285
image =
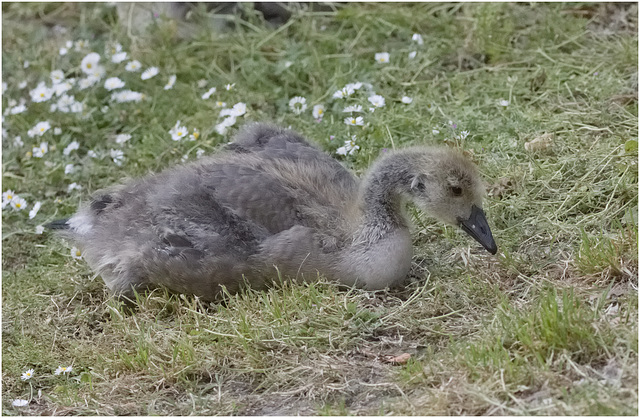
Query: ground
pixel 543 97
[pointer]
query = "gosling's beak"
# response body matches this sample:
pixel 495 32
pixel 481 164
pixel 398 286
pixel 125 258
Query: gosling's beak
pixel 478 228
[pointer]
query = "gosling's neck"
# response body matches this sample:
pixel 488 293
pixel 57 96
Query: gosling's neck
pixel 382 199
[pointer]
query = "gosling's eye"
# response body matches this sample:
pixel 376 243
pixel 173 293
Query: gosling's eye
pixel 457 191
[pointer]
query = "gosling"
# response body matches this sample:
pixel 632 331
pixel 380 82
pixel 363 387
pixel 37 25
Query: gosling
pixel 271 204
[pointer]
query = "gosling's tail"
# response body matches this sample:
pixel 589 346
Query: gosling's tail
pixel 58 224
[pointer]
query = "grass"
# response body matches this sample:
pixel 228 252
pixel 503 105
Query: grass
pixel 549 326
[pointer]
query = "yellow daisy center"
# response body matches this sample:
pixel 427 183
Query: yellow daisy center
pixel 89 65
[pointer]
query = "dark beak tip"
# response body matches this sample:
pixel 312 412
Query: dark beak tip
pixel 478 227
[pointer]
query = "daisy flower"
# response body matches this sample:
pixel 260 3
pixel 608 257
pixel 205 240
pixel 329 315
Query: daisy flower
pixel 89 63
pixel 201 83
pixel 238 109
pixel 87 82
pixel 118 57
pixel 124 96
pixel 18 203
pixel 208 93
pixel 462 135
pixel 435 131
pixel 354 86
pixel 178 132
pixel 353 108
pixel 122 138
pixel 57 131
pixel 149 72
pixel 91 153
pixel 406 100
pixel 81 44
pixel 133 66
pixel 40 128
pixel 41 93
pixel 39 229
pixel 98 72
pixel 349 147
pixel 22 85
pixel 72 146
pixel 376 100
pixel 17 141
pixel 195 135
pixel 382 57
pixel 65 102
pixel 60 369
pixel 221 128
pixel 221 104
pixel 113 83
pixel 74 186
pixel 63 51
pixel 353 121
pixel 318 111
pixel 39 152
pixel 228 87
pixel 199 153
pixel 503 102
pixel 7 197
pixel 18 109
pixel 20 402
pixel 69 169
pixel 417 38
pixel 57 76
pixel 412 54
pixel 171 82
pixel 117 156
pixel 298 104
pixel 346 91
pixel 32 214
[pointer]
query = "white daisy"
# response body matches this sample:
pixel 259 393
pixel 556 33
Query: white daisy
pixel 412 54
pixel 318 111
pixel 74 186
pixel 22 84
pixel 39 129
pixel 89 63
pixel 354 86
pixel 57 76
pixel 208 93
pixel 503 102
pixel 17 109
pixel 77 254
pixel 122 138
pixel 298 104
pixel 17 142
pixel 228 87
pixel 18 203
pixel 435 131
pixel 353 121
pixel 124 96
pixel 382 57
pixel 133 66
pixel 72 146
pixel 69 169
pixel 81 44
pixel 39 229
pixel 63 51
pixel 178 132
pixel 344 92
pixel 92 154
pixel 349 147
pixel 376 100
pixel 7 197
pixel 117 156
pixel 149 72
pixel 417 38
pixel 118 57
pixel 113 83
pixel 406 100
pixel 195 135
pixel 20 402
pixel 221 128
pixel 199 153
pixel 32 214
pixel 65 102
pixel 239 109
pixel 171 82
pixel 221 104
pixel 39 152
pixel 41 93
pixel 352 108
pixel 87 82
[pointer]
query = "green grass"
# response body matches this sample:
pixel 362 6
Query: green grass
pixel 549 326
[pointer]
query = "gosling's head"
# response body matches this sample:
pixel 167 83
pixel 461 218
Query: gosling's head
pixel 445 184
